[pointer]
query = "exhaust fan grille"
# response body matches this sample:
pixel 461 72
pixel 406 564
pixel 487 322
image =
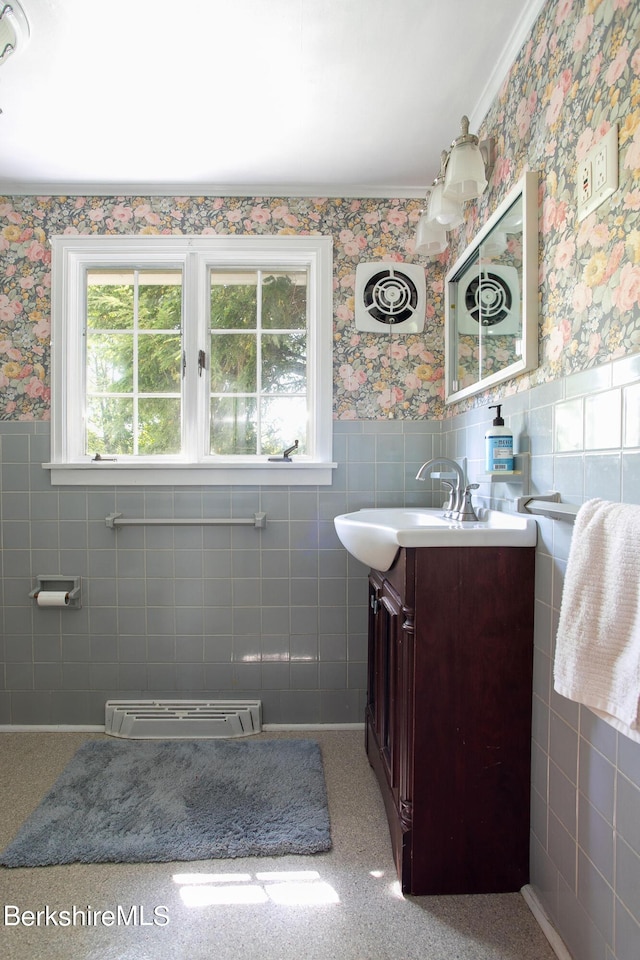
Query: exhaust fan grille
pixel 489 299
pixel 182 719
pixel 390 298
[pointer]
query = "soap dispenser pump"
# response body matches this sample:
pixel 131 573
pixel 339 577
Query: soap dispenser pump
pixel 498 442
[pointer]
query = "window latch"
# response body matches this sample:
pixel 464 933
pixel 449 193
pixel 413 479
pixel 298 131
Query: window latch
pixel 286 456
pixel 202 359
pixel 184 364
pixel 100 459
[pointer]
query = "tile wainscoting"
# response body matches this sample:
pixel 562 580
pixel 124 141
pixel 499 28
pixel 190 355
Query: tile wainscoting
pixel 191 611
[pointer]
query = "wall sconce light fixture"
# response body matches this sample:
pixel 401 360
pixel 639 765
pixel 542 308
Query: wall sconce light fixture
pixel 431 236
pixel 14 29
pixel 465 170
pixel 444 207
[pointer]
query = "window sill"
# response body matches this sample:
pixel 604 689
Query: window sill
pixel 241 473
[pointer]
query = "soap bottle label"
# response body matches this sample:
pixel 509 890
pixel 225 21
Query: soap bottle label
pixel 499 454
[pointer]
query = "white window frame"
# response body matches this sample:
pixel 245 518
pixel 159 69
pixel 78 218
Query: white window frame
pixel 74 255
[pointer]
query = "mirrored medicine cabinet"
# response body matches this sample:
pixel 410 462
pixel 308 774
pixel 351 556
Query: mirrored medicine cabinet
pixel 491 299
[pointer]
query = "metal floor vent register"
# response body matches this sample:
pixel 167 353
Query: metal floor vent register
pixel 182 719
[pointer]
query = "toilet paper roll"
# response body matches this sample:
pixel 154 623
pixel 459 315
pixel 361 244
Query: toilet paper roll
pixel 52 598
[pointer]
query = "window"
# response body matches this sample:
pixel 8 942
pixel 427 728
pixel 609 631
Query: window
pixel 258 349
pixel 133 362
pixel 191 360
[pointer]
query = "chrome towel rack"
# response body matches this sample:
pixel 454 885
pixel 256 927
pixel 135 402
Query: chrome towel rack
pixel 259 521
pixel 548 505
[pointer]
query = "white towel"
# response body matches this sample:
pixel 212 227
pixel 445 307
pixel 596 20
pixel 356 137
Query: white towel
pixel 597 658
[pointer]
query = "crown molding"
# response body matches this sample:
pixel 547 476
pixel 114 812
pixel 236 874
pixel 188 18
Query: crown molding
pixel 517 38
pixel 283 191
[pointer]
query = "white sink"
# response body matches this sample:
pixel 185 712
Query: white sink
pixel 374 536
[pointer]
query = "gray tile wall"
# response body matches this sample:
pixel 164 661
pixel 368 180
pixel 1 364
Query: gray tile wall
pixel 583 437
pixel 197 612
pixel 281 614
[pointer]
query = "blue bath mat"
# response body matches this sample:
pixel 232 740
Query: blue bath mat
pixel 160 801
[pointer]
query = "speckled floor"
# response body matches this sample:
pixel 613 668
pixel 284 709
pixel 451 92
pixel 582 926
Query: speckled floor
pixel 342 905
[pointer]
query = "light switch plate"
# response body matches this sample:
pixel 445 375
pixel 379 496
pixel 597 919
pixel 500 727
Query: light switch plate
pixel 597 176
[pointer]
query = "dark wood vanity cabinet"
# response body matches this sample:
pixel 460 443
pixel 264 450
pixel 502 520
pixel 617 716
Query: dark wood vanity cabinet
pixel 448 724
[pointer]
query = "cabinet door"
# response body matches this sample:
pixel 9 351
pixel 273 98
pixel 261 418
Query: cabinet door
pixel 387 675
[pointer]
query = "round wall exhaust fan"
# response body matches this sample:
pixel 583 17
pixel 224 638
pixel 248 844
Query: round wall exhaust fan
pixel 488 297
pixel 390 298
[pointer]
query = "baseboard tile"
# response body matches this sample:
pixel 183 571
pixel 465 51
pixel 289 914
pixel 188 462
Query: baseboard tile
pixel 555 941
pixel 312 726
pixel 95 728
pixel 51 728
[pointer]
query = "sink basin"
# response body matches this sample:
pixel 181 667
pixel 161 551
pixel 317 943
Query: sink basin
pixel 374 536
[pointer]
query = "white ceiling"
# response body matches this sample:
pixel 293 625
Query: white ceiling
pixel 281 97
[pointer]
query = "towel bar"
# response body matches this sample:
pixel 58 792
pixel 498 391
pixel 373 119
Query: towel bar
pixel 548 505
pixel 259 521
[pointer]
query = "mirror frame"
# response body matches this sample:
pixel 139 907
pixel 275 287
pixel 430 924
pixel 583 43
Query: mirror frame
pixel 527 189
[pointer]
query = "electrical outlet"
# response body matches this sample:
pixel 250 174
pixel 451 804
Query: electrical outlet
pixel 584 182
pixel 600 169
pixel 597 176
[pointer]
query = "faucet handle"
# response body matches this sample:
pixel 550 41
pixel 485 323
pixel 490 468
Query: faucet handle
pixel 450 505
pixel 471 486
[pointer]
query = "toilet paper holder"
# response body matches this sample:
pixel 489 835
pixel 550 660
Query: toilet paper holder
pixel 58 583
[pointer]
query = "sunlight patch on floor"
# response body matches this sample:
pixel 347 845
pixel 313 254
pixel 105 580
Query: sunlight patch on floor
pixel 190 878
pixel 289 888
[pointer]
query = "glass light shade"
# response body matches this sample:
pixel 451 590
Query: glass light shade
pixel 444 209
pixel 465 178
pixel 512 222
pixel 14 28
pixel 431 237
pixel 495 245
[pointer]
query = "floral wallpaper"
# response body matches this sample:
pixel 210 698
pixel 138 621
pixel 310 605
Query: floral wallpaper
pixel 374 374
pixel 578 73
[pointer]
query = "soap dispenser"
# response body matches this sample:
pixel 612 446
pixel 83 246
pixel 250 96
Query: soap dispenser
pixel 498 442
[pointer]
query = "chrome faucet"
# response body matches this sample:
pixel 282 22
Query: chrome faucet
pixel 455 500
pixel 459 506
